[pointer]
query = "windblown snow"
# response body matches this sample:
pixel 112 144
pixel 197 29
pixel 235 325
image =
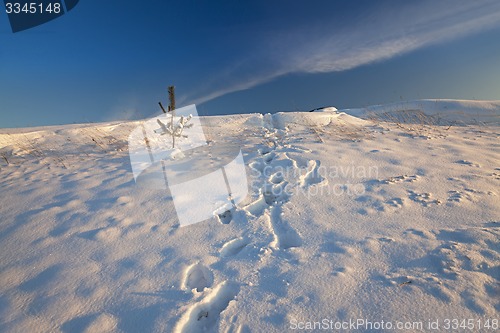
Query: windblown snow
pixel 388 213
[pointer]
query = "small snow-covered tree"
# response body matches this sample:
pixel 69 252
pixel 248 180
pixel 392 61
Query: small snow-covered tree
pixel 175 129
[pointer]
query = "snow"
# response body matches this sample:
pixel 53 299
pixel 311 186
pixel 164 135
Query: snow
pixel 454 112
pixel 384 213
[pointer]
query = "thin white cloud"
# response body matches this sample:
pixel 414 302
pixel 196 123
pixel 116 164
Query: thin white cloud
pixel 327 47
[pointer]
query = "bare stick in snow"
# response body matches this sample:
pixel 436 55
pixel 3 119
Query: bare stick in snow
pixel 5 158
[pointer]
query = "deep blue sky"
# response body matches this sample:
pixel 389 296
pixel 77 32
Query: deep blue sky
pixel 110 60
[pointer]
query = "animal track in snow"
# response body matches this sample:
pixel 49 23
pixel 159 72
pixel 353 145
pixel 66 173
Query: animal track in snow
pixel 458 269
pixel 398 179
pixel 469 163
pixel 197 277
pixel 395 202
pixel 458 196
pixel 373 204
pixel 425 199
pixel 496 173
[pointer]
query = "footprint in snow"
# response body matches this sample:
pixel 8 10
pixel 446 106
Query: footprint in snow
pixel 197 277
pixel 226 217
pixel 233 247
pixel 204 315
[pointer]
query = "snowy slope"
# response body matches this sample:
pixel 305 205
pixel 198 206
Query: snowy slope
pixel 385 213
pixel 441 111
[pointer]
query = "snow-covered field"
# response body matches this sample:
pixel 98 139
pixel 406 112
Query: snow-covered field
pixel 388 214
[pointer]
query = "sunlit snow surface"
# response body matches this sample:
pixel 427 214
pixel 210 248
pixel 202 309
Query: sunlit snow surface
pixel 386 213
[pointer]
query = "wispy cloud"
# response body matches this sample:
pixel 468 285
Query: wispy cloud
pixel 329 46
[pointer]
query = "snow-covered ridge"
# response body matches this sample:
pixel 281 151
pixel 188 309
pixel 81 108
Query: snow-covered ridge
pixel 446 111
pixel 112 136
pixel 461 111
